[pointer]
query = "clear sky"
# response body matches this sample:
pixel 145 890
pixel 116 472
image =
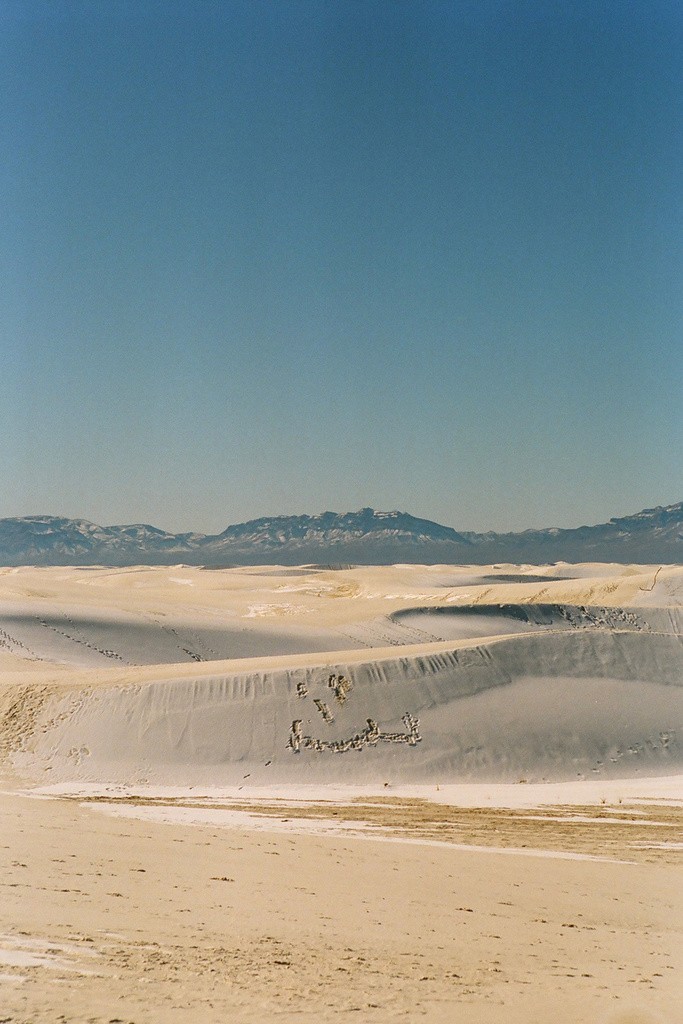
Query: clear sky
pixel 297 255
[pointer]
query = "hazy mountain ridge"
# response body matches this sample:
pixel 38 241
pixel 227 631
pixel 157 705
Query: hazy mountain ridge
pixel 366 536
pixel 335 527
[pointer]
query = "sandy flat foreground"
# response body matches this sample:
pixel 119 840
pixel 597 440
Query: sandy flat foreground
pixel 477 818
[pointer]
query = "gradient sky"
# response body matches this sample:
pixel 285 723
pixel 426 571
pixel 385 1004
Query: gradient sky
pixel 281 257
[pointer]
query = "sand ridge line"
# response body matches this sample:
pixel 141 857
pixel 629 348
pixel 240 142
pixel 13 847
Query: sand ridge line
pixel 181 671
pixel 90 679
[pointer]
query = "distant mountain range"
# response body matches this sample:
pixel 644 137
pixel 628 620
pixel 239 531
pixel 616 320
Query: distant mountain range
pixel 364 537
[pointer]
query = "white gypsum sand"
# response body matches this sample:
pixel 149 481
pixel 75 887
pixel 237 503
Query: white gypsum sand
pixel 255 737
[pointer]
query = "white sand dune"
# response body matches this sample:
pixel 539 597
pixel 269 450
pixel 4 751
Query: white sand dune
pixel 536 675
pixel 533 707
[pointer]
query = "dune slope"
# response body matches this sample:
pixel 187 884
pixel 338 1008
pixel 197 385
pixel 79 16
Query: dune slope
pixel 501 687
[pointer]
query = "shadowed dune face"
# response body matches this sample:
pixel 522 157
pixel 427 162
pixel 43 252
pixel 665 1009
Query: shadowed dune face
pixel 90 641
pixel 532 708
pixel 472 621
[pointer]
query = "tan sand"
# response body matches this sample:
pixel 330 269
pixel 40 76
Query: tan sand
pixel 503 845
pixel 159 923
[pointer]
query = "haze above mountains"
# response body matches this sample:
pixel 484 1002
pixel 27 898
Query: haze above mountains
pixel 363 537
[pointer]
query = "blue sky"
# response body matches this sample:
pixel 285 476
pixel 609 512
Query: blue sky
pixel 281 257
